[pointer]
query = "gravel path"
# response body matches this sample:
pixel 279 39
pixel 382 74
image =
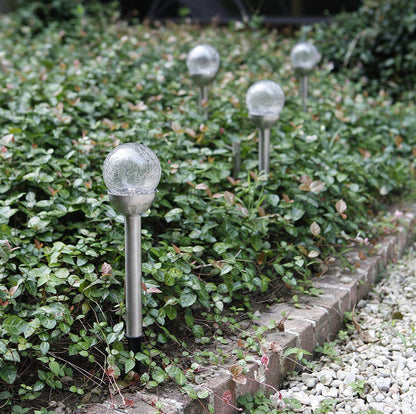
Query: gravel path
pixel 373 369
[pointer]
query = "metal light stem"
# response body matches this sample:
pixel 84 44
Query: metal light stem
pixel 264 151
pixel 133 266
pixel 132 207
pixel 236 158
pixel 304 90
pixel 203 98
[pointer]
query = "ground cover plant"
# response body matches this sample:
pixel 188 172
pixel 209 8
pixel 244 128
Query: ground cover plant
pixel 213 245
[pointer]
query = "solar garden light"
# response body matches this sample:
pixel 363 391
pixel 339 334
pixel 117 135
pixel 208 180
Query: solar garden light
pixel 265 100
pixel 131 173
pixel 203 62
pixel 304 57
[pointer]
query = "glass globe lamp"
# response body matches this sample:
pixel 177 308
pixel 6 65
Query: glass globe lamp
pixel 131 173
pixel 304 57
pixel 265 100
pixel 203 62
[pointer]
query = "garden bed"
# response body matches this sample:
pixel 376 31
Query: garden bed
pixel 214 246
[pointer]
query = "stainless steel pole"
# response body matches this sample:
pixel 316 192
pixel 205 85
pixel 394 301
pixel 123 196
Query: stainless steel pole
pixel 264 150
pixel 133 283
pixel 203 99
pixel 304 90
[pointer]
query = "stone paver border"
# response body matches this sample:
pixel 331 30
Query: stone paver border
pixel 314 321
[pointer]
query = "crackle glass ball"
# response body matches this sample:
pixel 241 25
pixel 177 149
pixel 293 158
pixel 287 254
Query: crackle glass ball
pixel 304 56
pixel 265 98
pixel 131 169
pixel 203 60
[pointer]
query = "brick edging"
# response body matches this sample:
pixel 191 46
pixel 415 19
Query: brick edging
pixel 313 321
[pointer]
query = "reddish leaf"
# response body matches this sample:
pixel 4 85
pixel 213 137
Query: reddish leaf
pixel 341 206
pixel 233 182
pixel 362 256
pixel 110 371
pixel 265 360
pixel 106 269
pixel 153 289
pixel 190 132
pixel 12 290
pixel 7 139
pixel 365 153
pixel 260 258
pixel 176 127
pixel 52 191
pixel 229 197
pixel 38 244
pixel 227 396
pixel 317 186
pixel 203 128
pixel 242 209
pixel 128 402
pixel 287 199
pixel 275 347
pixel 315 229
pixel 236 371
pixel 177 249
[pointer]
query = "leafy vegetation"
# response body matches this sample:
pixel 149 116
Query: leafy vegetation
pixel 212 243
pixel 377 42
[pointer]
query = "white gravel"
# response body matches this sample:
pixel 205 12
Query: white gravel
pixel 372 371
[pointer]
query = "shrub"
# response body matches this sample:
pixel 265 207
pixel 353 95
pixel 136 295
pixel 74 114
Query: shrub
pixel 378 42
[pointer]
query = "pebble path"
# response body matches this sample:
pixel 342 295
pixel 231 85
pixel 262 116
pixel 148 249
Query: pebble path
pixel 372 369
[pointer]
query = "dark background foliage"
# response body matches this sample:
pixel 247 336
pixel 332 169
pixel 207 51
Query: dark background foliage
pixel 378 42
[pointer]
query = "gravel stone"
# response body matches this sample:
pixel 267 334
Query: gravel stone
pixel 374 369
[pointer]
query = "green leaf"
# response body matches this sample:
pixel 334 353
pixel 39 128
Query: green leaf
pixel 177 374
pixel 198 331
pixel 5 213
pixel 15 325
pixel 221 247
pixel 219 305
pixel 173 214
pixel 202 394
pixel 171 312
pixel 171 276
pixel 37 223
pixel 226 269
pixel 187 299
pixel 55 368
pixel 129 365
pixel 118 327
pixel 190 390
pixel 5 395
pixel 159 375
pixel 8 373
pixel 44 347
pixel 62 273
